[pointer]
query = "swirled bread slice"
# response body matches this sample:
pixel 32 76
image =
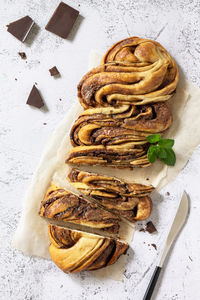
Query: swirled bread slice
pixel 116 126
pixel 128 200
pixel 60 204
pixel 122 156
pixel 75 251
pixel 133 71
pixel 117 136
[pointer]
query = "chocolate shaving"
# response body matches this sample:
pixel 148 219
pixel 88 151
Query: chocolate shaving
pixel 54 71
pixel 22 54
pixel 35 98
pixel 150 227
pixel 62 20
pixel 21 28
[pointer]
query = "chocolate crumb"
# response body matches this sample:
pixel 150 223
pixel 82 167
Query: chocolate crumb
pixel 190 258
pixel 15 79
pixel 154 245
pixel 168 193
pixel 142 229
pixel 22 54
pixel 150 227
pixel 44 123
pixel 54 71
pixel 147 178
pixel 60 99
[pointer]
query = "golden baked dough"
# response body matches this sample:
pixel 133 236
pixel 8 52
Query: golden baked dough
pixel 128 200
pixel 60 204
pixel 75 251
pixel 133 71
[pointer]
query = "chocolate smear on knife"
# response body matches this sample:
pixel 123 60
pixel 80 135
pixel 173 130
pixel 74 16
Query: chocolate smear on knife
pixel 150 227
pixel 54 71
pixel 21 28
pixel 22 55
pixel 62 20
pixel 35 98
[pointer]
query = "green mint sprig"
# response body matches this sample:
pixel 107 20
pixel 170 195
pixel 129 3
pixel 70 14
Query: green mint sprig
pixel 162 149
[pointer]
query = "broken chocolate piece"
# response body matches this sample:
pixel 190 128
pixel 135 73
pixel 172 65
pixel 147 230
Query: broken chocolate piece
pixel 154 245
pixel 35 98
pixel 150 227
pixel 62 20
pixel 22 54
pixel 21 28
pixel 142 230
pixel 54 71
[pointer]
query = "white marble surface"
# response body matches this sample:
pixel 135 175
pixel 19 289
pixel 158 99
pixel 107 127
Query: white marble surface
pixel 176 24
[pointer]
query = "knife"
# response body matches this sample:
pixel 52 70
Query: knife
pixel 177 224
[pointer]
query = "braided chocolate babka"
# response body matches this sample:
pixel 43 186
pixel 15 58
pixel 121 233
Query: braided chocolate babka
pixel 128 200
pixel 60 204
pixel 75 251
pixel 125 100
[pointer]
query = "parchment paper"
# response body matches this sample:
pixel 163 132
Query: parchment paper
pixel 31 235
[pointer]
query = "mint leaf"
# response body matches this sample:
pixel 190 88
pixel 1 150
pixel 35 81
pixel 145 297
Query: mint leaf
pixel 153 138
pixel 152 153
pixel 170 160
pixel 166 143
pixel 162 153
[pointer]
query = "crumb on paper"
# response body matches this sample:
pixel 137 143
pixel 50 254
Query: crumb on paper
pixel 154 245
pixel 22 55
pixel 150 227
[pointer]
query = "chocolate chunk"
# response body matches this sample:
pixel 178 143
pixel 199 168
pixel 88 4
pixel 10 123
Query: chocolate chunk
pixel 22 54
pixel 154 245
pixel 21 28
pixel 54 71
pixel 62 20
pixel 150 227
pixel 35 98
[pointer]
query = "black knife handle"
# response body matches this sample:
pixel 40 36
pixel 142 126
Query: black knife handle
pixel 152 283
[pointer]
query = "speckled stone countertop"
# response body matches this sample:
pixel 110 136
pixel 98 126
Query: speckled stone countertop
pixel 176 25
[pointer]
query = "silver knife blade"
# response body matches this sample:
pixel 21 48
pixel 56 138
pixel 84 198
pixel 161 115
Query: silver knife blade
pixel 178 222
